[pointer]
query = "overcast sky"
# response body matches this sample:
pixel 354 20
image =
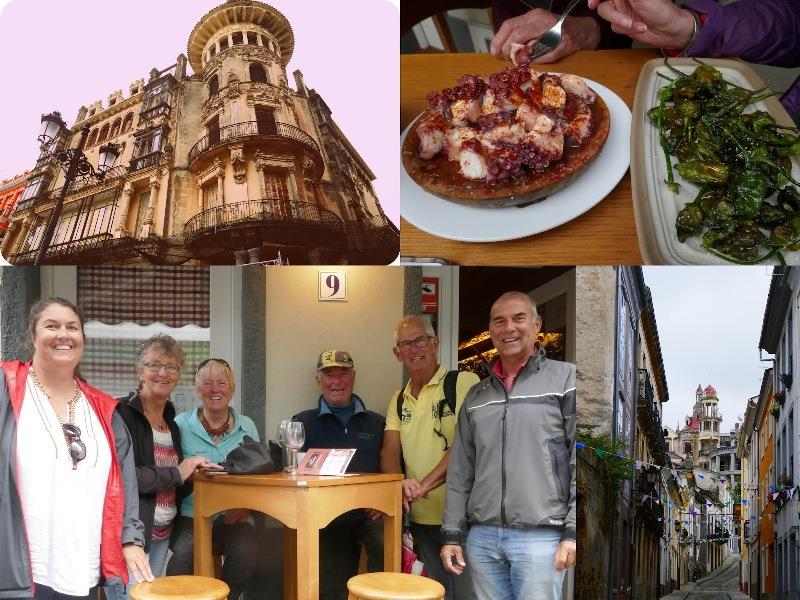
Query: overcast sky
pixel 60 55
pixel 709 323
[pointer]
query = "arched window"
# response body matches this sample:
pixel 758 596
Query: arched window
pixel 115 128
pixel 213 85
pixel 103 133
pixel 258 73
pixel 92 138
pixel 127 123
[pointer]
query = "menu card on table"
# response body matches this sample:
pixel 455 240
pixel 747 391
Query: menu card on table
pixel 326 461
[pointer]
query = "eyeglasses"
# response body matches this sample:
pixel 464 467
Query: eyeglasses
pixel 157 366
pixel 417 342
pixel 77 449
pixel 219 360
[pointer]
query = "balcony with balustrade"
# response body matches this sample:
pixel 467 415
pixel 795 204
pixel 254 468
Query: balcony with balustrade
pixel 255 134
pixel 272 221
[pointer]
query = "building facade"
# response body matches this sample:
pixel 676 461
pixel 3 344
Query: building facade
pixel 779 337
pixel 227 165
pixel 10 192
pixel 623 551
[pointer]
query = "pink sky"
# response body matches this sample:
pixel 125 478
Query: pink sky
pixel 61 55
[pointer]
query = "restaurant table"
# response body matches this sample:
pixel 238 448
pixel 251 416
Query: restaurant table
pixel 606 234
pixel 305 504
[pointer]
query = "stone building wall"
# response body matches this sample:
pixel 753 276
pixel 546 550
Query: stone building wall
pixel 595 316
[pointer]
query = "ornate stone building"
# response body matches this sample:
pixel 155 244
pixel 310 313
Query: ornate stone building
pixel 226 165
pixel 700 433
pixel 10 192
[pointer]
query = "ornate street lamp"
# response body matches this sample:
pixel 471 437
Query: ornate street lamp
pixel 74 162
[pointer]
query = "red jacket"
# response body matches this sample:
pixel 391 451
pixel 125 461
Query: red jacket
pixel 112 562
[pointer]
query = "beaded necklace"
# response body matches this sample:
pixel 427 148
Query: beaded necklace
pixel 215 432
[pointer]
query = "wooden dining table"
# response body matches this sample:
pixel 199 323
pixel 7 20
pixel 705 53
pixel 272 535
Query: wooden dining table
pixel 605 234
pixel 304 504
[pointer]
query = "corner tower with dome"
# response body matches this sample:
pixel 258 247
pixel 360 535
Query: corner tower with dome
pixel 221 164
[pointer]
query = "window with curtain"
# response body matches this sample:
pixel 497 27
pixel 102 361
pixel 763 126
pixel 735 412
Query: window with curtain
pixel 125 306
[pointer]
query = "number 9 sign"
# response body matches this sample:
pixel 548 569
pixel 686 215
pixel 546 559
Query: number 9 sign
pixel 332 285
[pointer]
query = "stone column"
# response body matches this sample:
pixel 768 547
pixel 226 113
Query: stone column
pixel 241 257
pixel 221 187
pixel 254 254
pixel 23 236
pixel 150 214
pixel 5 246
pixel 293 185
pixel 121 226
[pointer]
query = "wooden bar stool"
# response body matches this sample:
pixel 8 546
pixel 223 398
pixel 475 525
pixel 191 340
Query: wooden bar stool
pixel 188 587
pixel 393 586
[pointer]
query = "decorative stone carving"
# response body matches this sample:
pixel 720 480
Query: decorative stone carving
pixel 239 163
pixel 307 163
pixel 211 105
pixel 219 167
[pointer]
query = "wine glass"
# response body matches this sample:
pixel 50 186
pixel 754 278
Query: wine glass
pixel 282 433
pixel 295 438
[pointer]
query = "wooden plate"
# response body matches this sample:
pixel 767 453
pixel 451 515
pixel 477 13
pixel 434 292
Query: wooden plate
pixel 440 176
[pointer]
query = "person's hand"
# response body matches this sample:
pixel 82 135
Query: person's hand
pixel 565 555
pixel 657 23
pixel 235 515
pixel 374 515
pixel 137 562
pixel 578 33
pixel 413 490
pixel 189 465
pixel 450 551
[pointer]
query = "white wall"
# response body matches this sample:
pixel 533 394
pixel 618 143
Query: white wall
pixel 299 327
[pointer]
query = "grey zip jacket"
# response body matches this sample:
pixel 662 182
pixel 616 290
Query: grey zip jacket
pixel 513 459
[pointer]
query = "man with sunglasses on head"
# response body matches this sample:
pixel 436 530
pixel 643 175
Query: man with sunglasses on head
pixel 420 424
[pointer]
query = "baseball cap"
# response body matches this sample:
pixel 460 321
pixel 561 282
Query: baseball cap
pixel 334 358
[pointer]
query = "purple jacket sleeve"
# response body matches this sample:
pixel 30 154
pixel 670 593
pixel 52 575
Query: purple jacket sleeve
pixel 758 31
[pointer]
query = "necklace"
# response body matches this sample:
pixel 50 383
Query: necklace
pixel 71 433
pixel 216 432
pixel 76 394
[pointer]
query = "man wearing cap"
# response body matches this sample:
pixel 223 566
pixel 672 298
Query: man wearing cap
pixel 421 431
pixel 341 420
pixel 511 477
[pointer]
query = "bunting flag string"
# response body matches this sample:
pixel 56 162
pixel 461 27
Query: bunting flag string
pixel 640 464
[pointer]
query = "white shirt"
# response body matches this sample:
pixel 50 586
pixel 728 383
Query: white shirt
pixel 62 507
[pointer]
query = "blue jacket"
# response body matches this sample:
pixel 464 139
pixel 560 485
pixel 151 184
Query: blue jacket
pixel 364 432
pixel 195 441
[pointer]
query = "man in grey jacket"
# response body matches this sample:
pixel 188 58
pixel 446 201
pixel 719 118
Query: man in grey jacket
pixel 511 477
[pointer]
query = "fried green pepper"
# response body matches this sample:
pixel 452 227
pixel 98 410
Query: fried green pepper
pixel 703 172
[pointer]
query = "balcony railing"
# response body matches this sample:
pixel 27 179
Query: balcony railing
pixel 64 249
pixel 24 205
pixel 266 210
pixel 251 129
pixel 144 162
pixel 88 180
pixel 647 402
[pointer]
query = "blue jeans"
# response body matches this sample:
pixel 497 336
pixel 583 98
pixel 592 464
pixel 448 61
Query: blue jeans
pixel 514 564
pixel 157 557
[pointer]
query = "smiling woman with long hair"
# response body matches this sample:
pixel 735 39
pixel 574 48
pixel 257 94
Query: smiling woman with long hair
pixel 68 496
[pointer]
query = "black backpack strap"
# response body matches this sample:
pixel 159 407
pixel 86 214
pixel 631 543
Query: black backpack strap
pixel 450 381
pixel 399 405
pixel 449 400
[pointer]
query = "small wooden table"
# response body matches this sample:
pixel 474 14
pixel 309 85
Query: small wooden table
pixel 606 234
pixel 305 504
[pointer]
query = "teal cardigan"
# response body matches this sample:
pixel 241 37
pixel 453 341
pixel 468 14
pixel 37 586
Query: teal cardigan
pixel 195 441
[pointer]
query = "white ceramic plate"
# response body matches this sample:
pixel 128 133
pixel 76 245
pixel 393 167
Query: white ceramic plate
pixel 461 222
pixel 655 206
